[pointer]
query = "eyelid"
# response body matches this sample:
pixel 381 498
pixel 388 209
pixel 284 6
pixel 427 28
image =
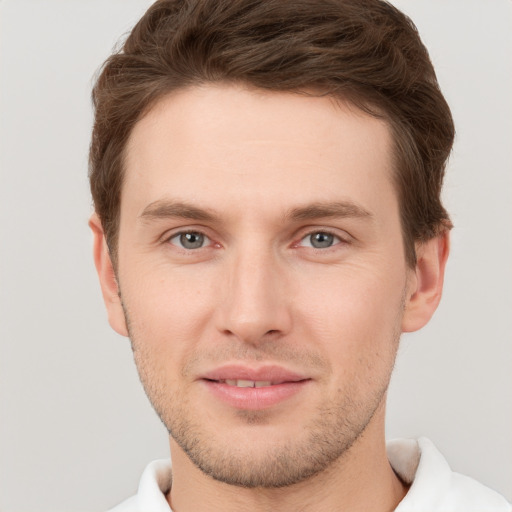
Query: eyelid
pixel 173 233
pixel 207 240
pixel 343 237
pixel 336 239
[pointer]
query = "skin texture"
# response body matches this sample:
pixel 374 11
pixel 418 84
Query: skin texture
pixel 251 176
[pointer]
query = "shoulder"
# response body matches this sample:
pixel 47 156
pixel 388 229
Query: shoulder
pixel 154 483
pixel 434 486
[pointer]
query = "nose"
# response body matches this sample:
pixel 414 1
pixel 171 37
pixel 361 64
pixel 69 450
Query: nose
pixel 255 306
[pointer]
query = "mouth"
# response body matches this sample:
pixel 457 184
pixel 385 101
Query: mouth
pixel 247 388
pixel 242 383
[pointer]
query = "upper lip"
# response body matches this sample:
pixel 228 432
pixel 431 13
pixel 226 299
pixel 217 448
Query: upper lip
pixel 267 373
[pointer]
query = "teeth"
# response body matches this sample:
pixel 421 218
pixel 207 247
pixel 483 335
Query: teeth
pixel 262 384
pixel 244 383
pixel 248 383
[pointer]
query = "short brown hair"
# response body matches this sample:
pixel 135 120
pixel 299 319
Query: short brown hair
pixel 362 51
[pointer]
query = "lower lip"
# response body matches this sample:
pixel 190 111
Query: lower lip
pixel 255 399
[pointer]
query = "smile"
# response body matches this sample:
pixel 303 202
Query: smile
pixel 241 383
pixel 245 388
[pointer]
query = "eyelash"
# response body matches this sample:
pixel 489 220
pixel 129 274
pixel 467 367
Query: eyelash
pixel 188 232
pixel 337 239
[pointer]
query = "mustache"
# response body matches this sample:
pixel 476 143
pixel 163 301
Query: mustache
pixel 272 351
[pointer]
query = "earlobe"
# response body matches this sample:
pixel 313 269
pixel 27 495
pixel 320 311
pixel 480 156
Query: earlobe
pixel 426 285
pixel 107 277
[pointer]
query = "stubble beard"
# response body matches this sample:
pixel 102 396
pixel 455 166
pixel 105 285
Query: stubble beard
pixel 325 439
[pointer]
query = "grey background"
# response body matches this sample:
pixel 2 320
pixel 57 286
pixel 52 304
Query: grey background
pixel 75 427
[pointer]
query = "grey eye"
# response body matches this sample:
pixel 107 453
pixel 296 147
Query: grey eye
pixel 320 240
pixel 189 240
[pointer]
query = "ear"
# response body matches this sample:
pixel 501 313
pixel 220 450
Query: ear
pixel 425 285
pixel 107 276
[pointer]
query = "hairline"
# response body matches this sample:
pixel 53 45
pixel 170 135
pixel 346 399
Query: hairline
pixel 352 98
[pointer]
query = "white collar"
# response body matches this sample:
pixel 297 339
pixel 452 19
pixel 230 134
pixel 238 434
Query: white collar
pixel 434 486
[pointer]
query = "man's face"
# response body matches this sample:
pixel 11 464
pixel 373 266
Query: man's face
pixel 260 241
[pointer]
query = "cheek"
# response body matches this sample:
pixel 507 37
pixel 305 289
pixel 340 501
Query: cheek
pixel 167 309
pixel 354 312
pixel 357 329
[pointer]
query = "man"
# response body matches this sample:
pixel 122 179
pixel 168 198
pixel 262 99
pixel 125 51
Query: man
pixel 266 178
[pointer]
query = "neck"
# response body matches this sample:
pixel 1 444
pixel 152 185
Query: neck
pixel 360 480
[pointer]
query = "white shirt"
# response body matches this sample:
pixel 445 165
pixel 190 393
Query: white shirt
pixel 434 486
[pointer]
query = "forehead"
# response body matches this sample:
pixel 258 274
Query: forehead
pixel 230 146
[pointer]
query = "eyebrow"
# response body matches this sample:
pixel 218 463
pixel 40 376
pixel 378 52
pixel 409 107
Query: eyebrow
pixel 163 209
pixel 341 209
